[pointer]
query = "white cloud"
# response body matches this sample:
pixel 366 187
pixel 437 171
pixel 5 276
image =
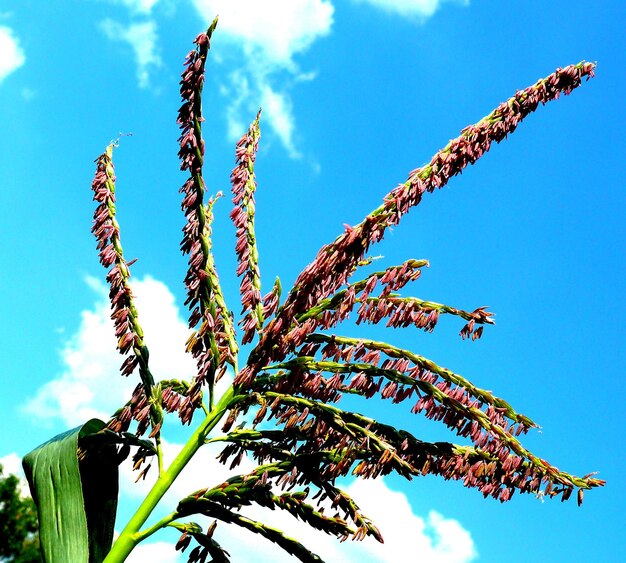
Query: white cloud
pixel 268 36
pixel 275 29
pixel 278 109
pixel 157 552
pixel 12 56
pixel 408 537
pixel 142 37
pixel 410 8
pixel 28 93
pixel 12 464
pixel 91 385
pixel 139 6
pixel 240 96
pixel 432 539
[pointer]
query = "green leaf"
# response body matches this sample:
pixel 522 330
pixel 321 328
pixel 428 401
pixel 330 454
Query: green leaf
pixel 74 481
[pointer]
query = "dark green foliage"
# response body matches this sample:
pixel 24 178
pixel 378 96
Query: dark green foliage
pixel 19 538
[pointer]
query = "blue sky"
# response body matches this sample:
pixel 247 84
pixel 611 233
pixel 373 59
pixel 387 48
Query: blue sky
pixel 355 95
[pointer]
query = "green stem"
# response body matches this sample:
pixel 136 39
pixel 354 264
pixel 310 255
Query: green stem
pixel 159 450
pixel 156 527
pixel 130 535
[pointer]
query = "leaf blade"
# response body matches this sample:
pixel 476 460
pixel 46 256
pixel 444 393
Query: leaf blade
pixel 73 479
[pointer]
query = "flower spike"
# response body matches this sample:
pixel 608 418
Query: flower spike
pixel 124 313
pixel 337 260
pixel 213 341
pixel 243 188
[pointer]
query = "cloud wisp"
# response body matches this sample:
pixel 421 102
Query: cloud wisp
pixel 143 7
pixel 142 37
pixel 419 9
pixel 12 55
pixel 267 38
